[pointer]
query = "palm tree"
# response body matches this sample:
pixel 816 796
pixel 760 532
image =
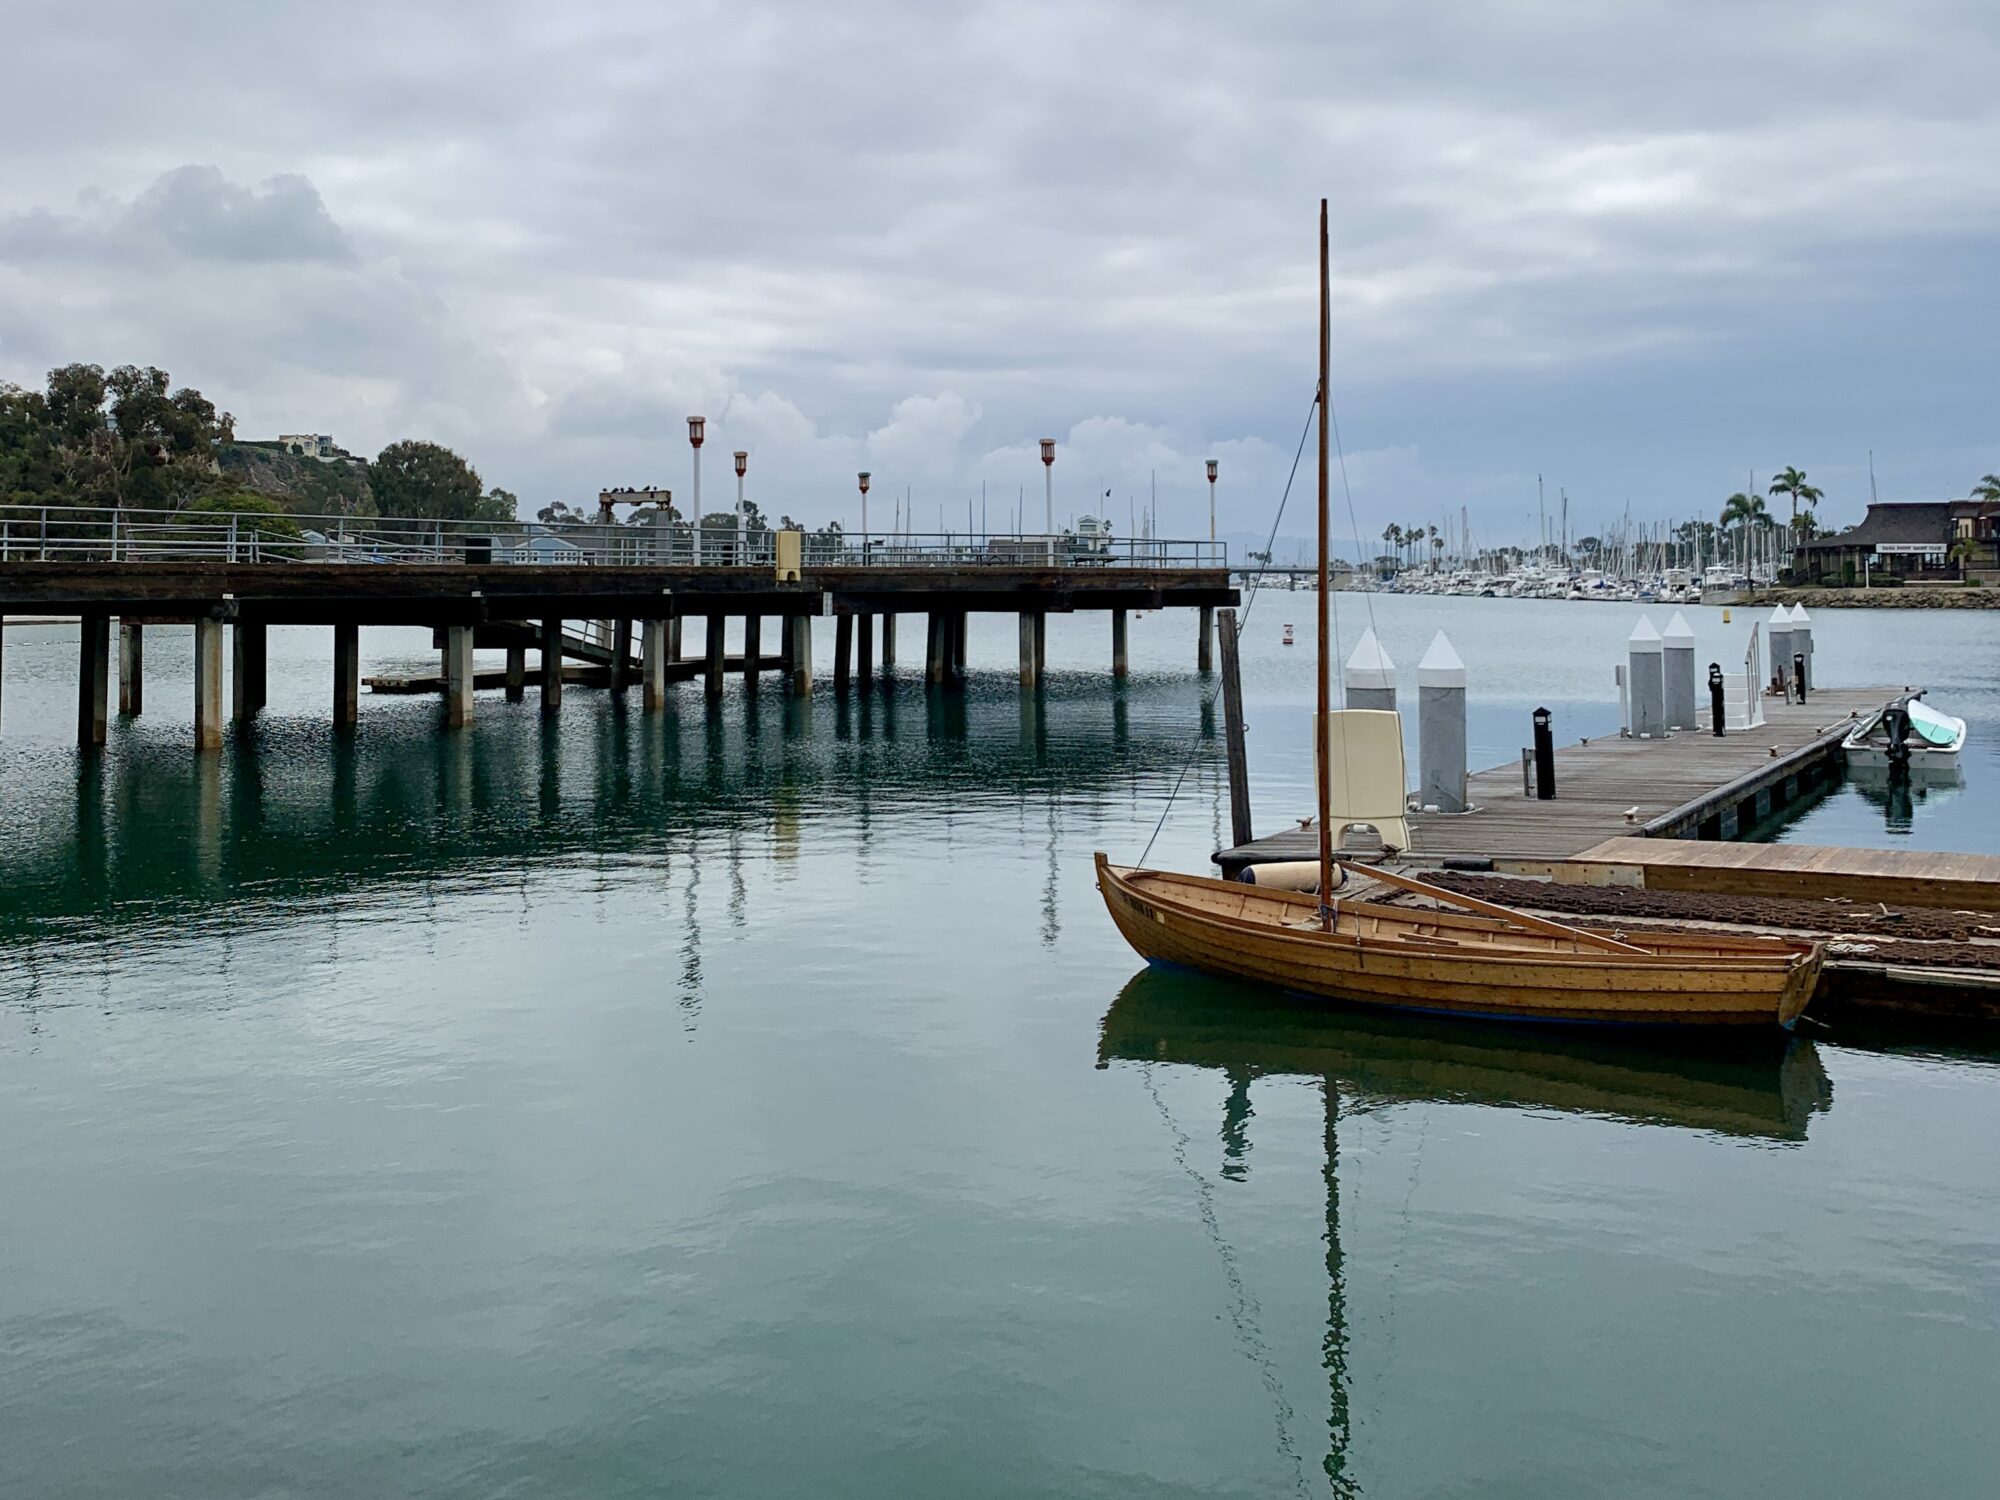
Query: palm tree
pixel 1392 534
pixel 1963 552
pixel 1988 487
pixel 1793 482
pixel 1741 512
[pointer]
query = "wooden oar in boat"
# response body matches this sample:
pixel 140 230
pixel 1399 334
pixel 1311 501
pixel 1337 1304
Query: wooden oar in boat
pixel 1499 913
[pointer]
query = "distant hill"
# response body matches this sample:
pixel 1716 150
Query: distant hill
pixel 304 486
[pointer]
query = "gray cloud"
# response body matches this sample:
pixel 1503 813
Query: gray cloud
pixel 917 237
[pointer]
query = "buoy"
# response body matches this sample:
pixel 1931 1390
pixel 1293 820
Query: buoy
pixel 1288 635
pixel 1725 615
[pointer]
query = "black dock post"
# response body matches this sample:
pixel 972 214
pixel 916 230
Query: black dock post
pixel 1232 720
pixel 1718 709
pixel 1545 757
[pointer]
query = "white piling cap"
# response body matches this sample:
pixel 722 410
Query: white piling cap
pixel 1369 666
pixel 1781 616
pixel 1440 667
pixel 1800 617
pixel 1644 638
pixel 1680 634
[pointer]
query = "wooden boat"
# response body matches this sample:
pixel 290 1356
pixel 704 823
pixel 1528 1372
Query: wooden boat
pixel 1473 963
pixel 1483 960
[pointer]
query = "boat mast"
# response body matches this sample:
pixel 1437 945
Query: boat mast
pixel 1324 727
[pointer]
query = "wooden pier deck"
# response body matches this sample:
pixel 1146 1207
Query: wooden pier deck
pixel 1903 877
pixel 1687 786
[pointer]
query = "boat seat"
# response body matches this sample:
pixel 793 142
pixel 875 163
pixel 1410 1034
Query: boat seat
pixel 1368 785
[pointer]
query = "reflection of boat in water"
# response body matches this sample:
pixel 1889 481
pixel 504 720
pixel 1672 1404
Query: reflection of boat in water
pixel 1374 1061
pixel 1768 1090
pixel 1900 793
pixel 1905 732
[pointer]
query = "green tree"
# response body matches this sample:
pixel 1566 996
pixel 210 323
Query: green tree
pixel 1793 483
pixel 1739 513
pixel 253 512
pixel 421 481
pixel 1988 487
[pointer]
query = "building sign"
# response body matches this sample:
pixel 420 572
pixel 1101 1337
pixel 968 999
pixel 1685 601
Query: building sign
pixel 1927 550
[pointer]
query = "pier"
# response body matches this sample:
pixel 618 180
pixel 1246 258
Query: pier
pixel 595 604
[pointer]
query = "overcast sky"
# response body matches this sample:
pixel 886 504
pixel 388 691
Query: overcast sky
pixel 1643 249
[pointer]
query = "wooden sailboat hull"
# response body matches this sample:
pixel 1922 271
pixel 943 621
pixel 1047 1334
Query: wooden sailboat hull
pixel 1445 962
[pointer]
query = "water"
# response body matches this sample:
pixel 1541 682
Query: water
pixel 766 1107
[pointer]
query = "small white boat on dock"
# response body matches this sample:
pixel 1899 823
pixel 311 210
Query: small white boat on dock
pixel 1905 731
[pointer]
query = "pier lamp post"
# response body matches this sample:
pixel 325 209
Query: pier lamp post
pixel 697 430
pixel 742 526
pixel 1211 499
pixel 1049 484
pixel 862 480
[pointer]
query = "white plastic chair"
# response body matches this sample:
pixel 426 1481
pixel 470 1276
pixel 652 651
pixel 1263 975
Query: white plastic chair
pixel 1368 783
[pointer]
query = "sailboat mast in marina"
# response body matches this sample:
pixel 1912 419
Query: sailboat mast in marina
pixel 1475 959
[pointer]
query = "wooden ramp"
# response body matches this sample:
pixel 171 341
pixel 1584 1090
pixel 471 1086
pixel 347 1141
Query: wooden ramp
pixel 1897 877
pixel 1689 785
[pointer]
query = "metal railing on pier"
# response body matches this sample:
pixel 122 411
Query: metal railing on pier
pixel 84 534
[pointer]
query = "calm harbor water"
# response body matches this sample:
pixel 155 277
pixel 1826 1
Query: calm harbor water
pixel 763 1105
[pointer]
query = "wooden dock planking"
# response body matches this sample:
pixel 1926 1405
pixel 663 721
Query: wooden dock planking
pixel 1662 782
pixel 1903 877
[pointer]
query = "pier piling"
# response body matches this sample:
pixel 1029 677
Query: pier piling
pixel 843 651
pixel 1645 678
pixel 1120 659
pixel 1204 649
pixel 517 673
pixel 753 648
pixel 799 658
pixel 714 637
pixel 653 665
pixel 93 688
pixel 346 673
pixel 1028 674
pixel 247 675
pixel 864 648
pixel 208 683
pixel 936 647
pixel 1232 725
pixel 131 668
pixel 552 664
pixel 621 653
pixel 888 643
pixel 458 675
pixel 1678 656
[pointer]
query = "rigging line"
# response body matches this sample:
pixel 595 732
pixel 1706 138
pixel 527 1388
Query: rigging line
pixel 1249 603
pixel 1245 1311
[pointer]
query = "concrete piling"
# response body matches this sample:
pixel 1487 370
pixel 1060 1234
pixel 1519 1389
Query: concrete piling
pixel 888 644
pixel 131 668
pixel 715 635
pixel 753 649
pixel 1369 678
pixel 552 665
pixel 1441 754
pixel 208 683
pixel 1027 669
pixel 517 673
pixel 1645 679
pixel 93 687
pixel 653 665
pixel 247 676
pixel 1204 648
pixel 1121 661
pixel 864 648
pixel 346 673
pixel 458 675
pixel 798 661
pixel 1677 654
pixel 843 651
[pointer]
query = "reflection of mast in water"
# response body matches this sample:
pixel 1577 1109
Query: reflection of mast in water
pixel 1333 1349
pixel 1236 1117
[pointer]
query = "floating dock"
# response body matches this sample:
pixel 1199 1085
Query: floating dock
pixel 1689 785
